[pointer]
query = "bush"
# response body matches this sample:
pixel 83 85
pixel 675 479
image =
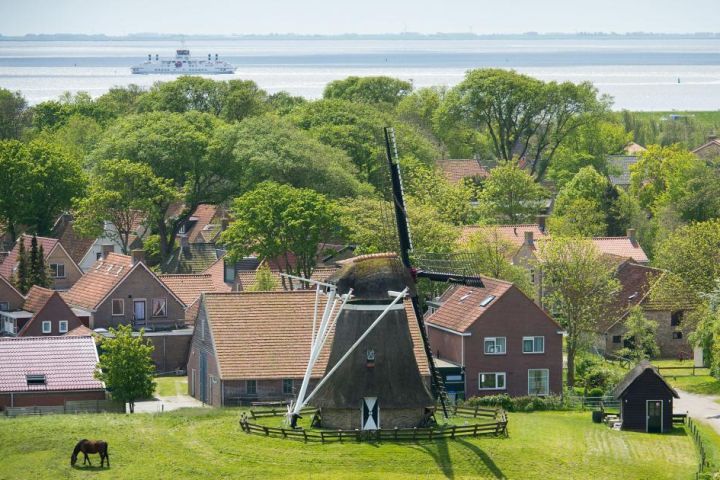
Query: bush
pixel 519 404
pixel 596 392
pixel 602 377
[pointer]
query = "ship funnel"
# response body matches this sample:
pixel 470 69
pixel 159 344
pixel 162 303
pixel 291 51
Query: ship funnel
pixel 208 57
pixel 149 57
pixel 216 57
pixel 157 57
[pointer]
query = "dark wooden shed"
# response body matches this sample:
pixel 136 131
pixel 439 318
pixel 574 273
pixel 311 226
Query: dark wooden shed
pixel 646 400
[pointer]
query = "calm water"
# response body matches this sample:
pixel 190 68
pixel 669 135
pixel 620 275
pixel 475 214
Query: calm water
pixel 639 74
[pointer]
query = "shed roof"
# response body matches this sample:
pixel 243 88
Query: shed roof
pixel 68 363
pixel 634 374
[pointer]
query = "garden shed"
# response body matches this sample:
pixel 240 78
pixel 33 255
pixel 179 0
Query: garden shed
pixel 646 400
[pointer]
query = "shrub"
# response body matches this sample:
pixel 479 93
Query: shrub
pixel 596 392
pixel 519 404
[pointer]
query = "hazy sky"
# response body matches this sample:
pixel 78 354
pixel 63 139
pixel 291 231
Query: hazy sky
pixel 117 17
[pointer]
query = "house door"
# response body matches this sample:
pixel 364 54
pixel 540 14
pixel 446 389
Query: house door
pixel 654 416
pixel 370 414
pixel 139 311
pixel 203 377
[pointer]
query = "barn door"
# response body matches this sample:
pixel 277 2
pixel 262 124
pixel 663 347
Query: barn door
pixel 203 377
pixel 370 414
pixel 654 416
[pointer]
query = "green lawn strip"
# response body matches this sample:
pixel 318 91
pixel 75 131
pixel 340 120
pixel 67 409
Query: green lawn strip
pixel 711 442
pixel 170 386
pixel 207 443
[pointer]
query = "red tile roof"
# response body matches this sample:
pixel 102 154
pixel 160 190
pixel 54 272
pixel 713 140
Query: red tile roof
pixel 189 287
pixel 202 216
pixel 68 363
pixel 36 298
pixel 621 247
pixel 267 334
pixel 217 275
pixel 75 245
pixel 81 331
pixel 97 282
pixel 462 308
pixel 514 234
pixel 633 148
pixel 247 278
pixel 455 170
pixel 8 265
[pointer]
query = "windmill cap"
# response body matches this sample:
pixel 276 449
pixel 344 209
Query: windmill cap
pixel 372 276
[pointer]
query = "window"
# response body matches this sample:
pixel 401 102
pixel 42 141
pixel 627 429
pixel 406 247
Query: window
pixel 538 381
pixel 4 306
pixel 491 381
pixel 288 386
pixel 63 326
pixel 617 338
pixel 35 379
pixel 676 318
pixel 47 326
pixel 98 255
pixel 533 344
pixel 486 301
pixel 118 306
pixel 494 345
pixel 532 275
pixel 159 307
pixel 677 335
pixel 250 387
pixel 229 272
pixel 57 270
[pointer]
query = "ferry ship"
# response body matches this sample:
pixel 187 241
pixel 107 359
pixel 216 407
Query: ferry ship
pixel 183 64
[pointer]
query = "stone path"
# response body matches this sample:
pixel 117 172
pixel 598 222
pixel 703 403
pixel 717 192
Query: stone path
pixel 699 407
pixel 160 404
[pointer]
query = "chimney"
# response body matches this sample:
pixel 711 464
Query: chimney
pixel 541 219
pixel 529 238
pixel 631 233
pixel 107 249
pixel 138 256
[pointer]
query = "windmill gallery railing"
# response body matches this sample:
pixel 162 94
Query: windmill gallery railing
pixel 496 427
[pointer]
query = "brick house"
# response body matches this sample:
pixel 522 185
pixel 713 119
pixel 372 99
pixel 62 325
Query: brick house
pixel 501 339
pixel 10 298
pixel 636 285
pixel 48 371
pixel 121 290
pixel 44 313
pixel 254 346
pixel 190 287
pixel 64 272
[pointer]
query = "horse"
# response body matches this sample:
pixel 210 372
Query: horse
pixel 91 446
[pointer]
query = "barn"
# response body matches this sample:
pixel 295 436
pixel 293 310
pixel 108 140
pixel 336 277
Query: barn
pixel 646 400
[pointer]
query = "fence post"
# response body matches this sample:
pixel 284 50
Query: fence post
pixel 477 407
pixel 453 432
pixel 475 430
pixel 305 435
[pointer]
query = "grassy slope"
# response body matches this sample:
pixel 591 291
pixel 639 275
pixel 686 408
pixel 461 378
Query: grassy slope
pixel 701 382
pixel 209 444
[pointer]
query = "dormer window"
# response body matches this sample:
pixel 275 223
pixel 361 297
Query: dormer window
pixel 35 379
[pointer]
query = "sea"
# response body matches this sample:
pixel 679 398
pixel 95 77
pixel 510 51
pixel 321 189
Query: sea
pixel 648 74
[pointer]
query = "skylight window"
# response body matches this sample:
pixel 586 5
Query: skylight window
pixel 35 379
pixel 486 301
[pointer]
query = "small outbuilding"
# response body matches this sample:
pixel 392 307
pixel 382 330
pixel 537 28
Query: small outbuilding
pixel 646 400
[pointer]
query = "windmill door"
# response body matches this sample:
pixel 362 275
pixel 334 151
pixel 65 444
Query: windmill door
pixel 370 414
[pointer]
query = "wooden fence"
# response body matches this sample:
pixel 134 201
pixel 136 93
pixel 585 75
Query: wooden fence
pixel 697 438
pixel 498 427
pixel 77 406
pixel 277 412
pixel 593 402
pixel 476 412
pixel 689 371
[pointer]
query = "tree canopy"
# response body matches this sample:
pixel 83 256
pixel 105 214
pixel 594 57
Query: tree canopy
pixel 511 194
pixel 376 90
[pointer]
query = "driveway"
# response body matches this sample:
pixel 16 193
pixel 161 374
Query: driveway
pixel 699 407
pixel 165 404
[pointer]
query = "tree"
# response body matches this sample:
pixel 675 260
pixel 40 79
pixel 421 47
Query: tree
pixel 375 90
pixel 13 116
pixel 242 99
pixel 38 269
pixel 581 218
pixel 21 279
pixel 640 336
pixel 492 258
pixel 126 365
pixel 121 101
pixel 512 194
pixel 38 180
pixel 581 286
pixel 126 194
pixel 524 117
pixel 283 103
pixel 186 93
pixel 264 280
pixel 280 222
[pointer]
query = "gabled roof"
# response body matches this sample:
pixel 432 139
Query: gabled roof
pixel 75 245
pixel 202 218
pixel 8 266
pixel 621 247
pixel 267 334
pixel 99 281
pixel 12 288
pixel 633 148
pixel 464 305
pixel 189 287
pixel 619 166
pixel 713 142
pixel 636 281
pixel 36 298
pixel 68 363
pixel 643 367
pixel 455 170
pixel 247 279
pixel 193 258
pixel 81 331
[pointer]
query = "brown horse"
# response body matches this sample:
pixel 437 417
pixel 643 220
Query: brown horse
pixel 91 446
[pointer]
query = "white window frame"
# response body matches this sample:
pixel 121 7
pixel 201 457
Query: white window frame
pixel 497 375
pixel 547 370
pixel 112 307
pixel 495 343
pixel 164 312
pixel 63 326
pixel 46 326
pixel 55 272
pixel 533 338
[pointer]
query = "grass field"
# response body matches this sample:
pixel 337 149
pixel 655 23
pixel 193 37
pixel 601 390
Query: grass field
pixel 209 444
pixel 171 386
pixel 683 379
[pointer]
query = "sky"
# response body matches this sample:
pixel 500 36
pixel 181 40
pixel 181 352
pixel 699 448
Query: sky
pixel 115 17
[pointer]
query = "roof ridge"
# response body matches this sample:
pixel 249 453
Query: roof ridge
pixel 268 292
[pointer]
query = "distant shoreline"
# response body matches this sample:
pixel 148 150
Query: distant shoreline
pixel 60 37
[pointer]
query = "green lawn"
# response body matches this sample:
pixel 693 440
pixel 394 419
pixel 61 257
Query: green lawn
pixel 171 386
pixel 701 382
pixel 207 443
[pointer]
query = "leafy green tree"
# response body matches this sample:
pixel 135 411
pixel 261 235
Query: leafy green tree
pixel 38 180
pixel 186 93
pixel 640 334
pixel 242 99
pixel 375 90
pixel 121 100
pixel 581 217
pixel 524 117
pixel 126 194
pixel 264 280
pixel 49 114
pixel 13 114
pixel 280 222
pixel 581 285
pixel 511 194
pixel 78 135
pixel 126 365
pixel 21 279
pixel 283 103
pixel 493 256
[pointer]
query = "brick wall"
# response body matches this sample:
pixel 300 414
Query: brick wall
pixel 47 399
pixel 72 272
pixel 171 351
